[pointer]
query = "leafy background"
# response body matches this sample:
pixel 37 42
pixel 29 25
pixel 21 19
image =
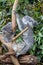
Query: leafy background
pixel 33 8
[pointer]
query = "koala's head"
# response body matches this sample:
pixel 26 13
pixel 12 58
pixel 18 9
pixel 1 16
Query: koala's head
pixel 29 20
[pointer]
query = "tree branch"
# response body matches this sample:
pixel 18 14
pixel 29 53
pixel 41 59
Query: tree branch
pixel 25 59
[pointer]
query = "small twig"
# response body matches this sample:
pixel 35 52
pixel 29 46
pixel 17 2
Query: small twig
pixel 20 34
pixel 1 62
pixel 0 50
pixel 6 55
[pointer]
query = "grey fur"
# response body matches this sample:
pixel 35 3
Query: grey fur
pixel 27 36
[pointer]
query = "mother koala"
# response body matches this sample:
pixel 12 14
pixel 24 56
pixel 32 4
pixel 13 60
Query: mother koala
pixel 8 32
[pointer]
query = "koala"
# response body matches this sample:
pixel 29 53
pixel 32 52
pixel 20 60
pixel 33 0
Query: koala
pixel 27 36
pixel 28 39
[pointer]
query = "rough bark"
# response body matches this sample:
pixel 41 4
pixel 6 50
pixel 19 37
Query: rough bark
pixel 25 59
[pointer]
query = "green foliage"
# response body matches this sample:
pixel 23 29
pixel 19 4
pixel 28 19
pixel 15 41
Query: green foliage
pixel 34 10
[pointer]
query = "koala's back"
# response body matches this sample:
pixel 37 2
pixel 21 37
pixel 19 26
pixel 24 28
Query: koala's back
pixel 7 32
